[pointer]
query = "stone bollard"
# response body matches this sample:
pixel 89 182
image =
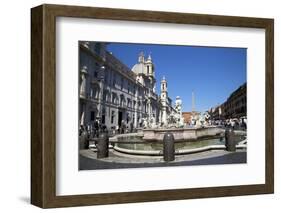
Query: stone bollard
pixel 102 146
pixel 169 147
pixel 230 141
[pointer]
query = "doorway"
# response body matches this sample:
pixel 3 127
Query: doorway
pixel 120 117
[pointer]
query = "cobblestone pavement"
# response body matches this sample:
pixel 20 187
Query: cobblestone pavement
pixel 88 159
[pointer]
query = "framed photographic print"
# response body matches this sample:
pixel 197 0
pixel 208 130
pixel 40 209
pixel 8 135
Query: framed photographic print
pixel 136 106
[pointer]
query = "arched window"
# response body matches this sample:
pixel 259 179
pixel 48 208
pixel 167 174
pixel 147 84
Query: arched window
pixel 122 100
pixel 114 98
pixel 95 90
pixel 112 116
pixel 129 104
pixel 134 104
pixel 106 95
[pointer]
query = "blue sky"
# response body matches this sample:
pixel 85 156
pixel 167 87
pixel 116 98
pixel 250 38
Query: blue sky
pixel 211 72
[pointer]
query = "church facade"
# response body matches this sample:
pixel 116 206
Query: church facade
pixel 113 93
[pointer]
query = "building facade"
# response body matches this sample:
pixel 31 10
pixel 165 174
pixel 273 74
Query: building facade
pixel 234 107
pixel 236 104
pixel 187 116
pixel 217 112
pixel 113 93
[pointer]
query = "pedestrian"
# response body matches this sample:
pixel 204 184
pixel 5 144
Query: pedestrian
pixel 232 123
pixel 123 126
pixel 96 128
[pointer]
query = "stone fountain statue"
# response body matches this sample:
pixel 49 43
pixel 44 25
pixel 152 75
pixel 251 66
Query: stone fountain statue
pixel 149 123
pixel 145 123
pixel 180 121
pixel 172 120
pixel 152 122
pixel 201 119
pixel 206 119
pixel 175 119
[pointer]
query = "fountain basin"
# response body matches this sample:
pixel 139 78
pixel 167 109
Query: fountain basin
pixel 156 148
pixel 119 148
pixel 182 134
pixel 157 135
pixel 187 141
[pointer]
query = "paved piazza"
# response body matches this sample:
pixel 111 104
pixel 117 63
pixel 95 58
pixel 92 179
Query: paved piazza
pixel 88 159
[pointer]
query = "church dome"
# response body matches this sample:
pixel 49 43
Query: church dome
pixel 139 68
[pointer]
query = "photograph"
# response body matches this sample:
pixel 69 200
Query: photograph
pixel 155 105
pixel 138 105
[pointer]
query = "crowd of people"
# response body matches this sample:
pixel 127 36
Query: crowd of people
pixel 233 123
pixel 93 130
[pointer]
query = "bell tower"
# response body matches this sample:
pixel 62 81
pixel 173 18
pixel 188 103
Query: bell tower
pixel 164 95
pixel 149 71
pixel 149 67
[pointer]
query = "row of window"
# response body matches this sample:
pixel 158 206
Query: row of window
pixel 240 102
pixel 110 79
pixel 118 81
pixel 116 100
